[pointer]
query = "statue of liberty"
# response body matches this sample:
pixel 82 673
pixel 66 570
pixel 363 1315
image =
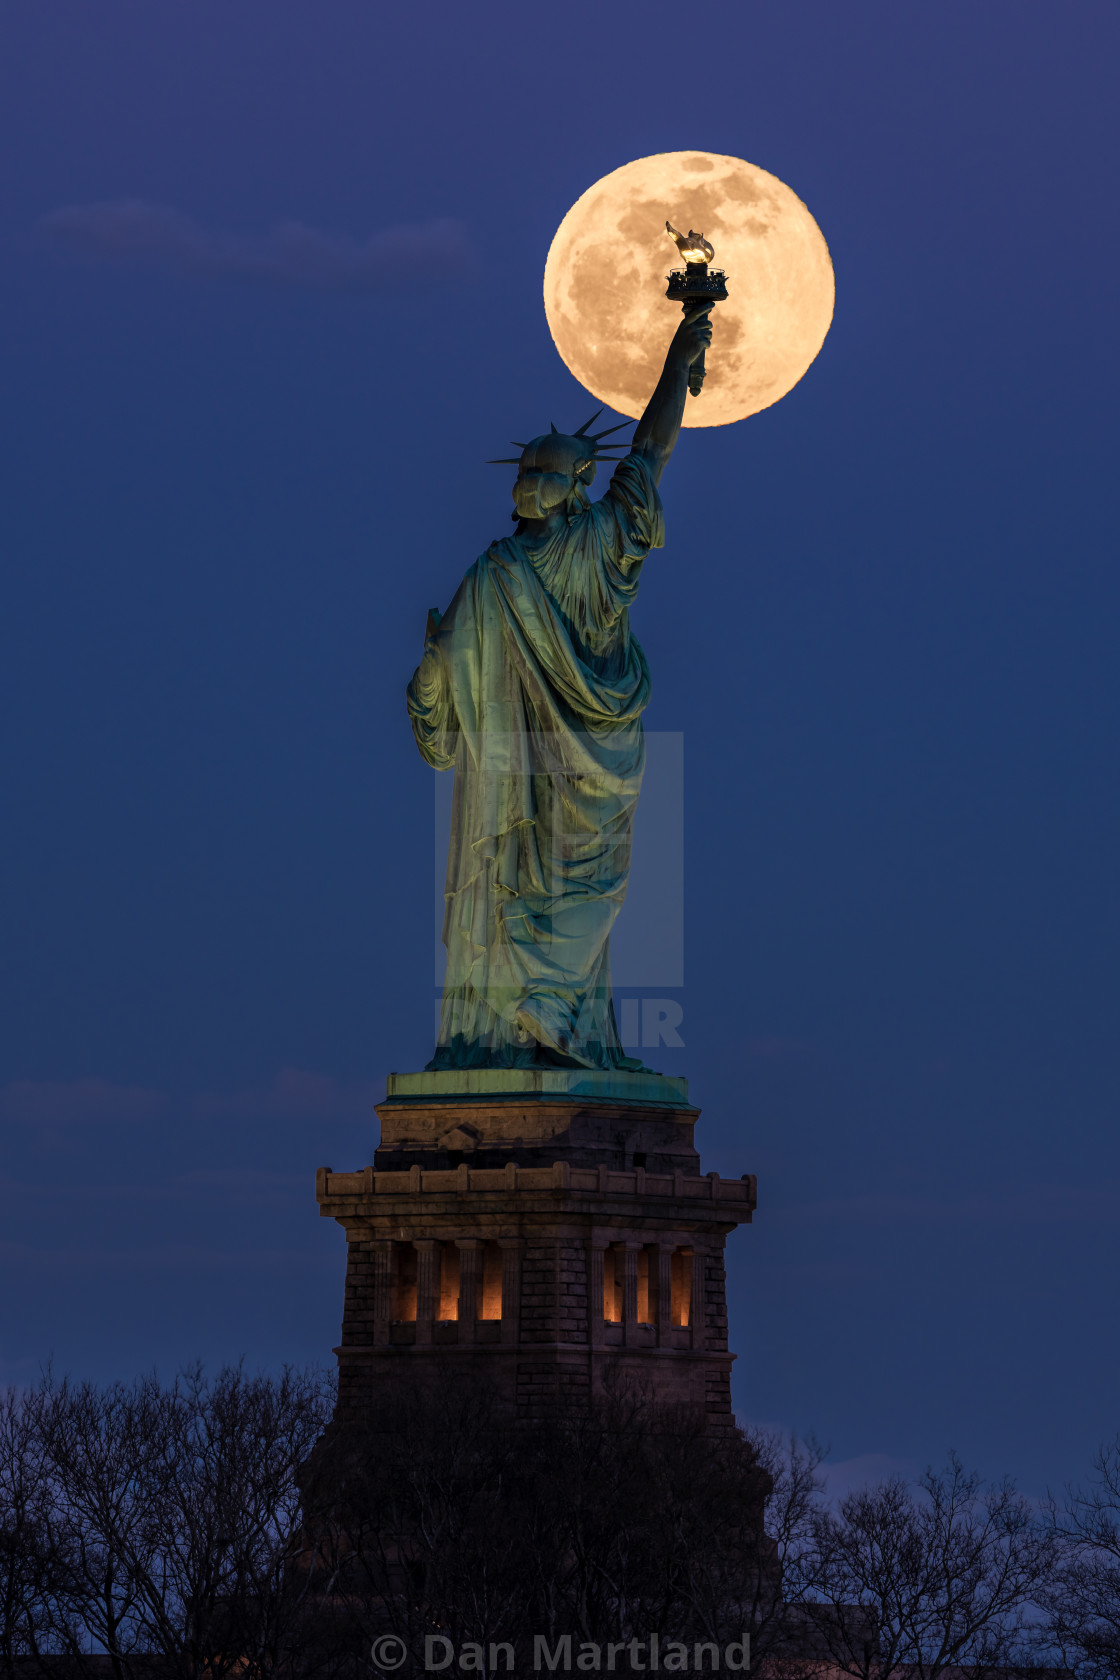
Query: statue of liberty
pixel 532 689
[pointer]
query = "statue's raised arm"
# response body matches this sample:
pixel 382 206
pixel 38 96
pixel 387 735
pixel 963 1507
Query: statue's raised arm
pixel 660 425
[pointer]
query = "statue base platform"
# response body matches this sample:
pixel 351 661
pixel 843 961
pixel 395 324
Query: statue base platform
pixel 548 1231
pixel 615 1085
pixel 489 1117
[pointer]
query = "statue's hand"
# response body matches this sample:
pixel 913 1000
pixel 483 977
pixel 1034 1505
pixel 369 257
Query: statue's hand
pixel 693 336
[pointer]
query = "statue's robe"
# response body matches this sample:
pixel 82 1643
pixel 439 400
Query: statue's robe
pixel 532 688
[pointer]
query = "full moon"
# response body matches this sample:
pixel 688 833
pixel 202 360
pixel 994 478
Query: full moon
pixel 604 283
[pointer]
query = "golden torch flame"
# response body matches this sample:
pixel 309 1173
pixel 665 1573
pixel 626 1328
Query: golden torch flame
pixel 693 247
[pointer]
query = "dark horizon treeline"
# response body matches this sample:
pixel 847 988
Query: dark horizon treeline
pixel 219 1527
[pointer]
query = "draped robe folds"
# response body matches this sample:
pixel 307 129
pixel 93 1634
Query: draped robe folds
pixel 532 689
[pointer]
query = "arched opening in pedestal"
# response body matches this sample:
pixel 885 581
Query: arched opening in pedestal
pixel 490 1296
pixel 613 1260
pixel 448 1283
pixel 645 1315
pixel 680 1300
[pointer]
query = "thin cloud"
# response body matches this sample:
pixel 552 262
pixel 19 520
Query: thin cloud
pixel 247 1188
pixel 28 1260
pixel 1013 1205
pixel 852 1475
pixel 78 1101
pixel 131 231
pixel 293 1095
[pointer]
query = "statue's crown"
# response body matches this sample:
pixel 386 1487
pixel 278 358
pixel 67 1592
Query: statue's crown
pixel 573 454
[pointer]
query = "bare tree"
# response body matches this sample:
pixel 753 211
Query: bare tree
pixel 782 1613
pixel 657 1524
pixel 214 1528
pixel 918 1580
pixel 162 1523
pixel 1083 1601
pixel 607 1524
pixel 411 1519
pixel 96 1449
pixel 25 1573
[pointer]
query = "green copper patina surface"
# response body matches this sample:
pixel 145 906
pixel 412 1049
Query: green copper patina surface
pixel 532 688
pixel 596 1084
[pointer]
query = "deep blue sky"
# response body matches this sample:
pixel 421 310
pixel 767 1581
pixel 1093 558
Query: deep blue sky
pixel 235 477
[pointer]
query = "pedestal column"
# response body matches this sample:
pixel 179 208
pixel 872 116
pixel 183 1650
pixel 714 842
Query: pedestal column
pixel 511 1248
pixel 427 1286
pixel 470 1255
pixel 381 1254
pixel 596 1301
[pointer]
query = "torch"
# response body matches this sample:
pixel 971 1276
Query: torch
pixel 695 283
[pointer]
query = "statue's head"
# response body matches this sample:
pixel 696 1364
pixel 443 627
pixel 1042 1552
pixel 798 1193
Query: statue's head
pixel 553 469
pixel 550 471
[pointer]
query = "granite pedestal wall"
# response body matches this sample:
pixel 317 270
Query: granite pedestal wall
pixel 548 1230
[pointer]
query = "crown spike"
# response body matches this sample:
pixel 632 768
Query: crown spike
pixel 582 429
pixel 554 426
pixel 607 430
pixel 505 461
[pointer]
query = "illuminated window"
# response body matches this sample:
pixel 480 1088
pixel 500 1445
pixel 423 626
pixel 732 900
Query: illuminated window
pixel 613 1260
pixel 448 1282
pixel 490 1298
pixel 645 1316
pixel 681 1290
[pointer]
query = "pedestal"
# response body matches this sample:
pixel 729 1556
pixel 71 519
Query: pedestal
pixel 548 1231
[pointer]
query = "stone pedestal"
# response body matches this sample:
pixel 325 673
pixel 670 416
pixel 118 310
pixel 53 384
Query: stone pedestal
pixel 544 1229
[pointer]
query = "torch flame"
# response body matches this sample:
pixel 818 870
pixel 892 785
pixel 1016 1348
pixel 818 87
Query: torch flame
pixel 693 247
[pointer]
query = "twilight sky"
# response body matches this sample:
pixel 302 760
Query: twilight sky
pixel 240 461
